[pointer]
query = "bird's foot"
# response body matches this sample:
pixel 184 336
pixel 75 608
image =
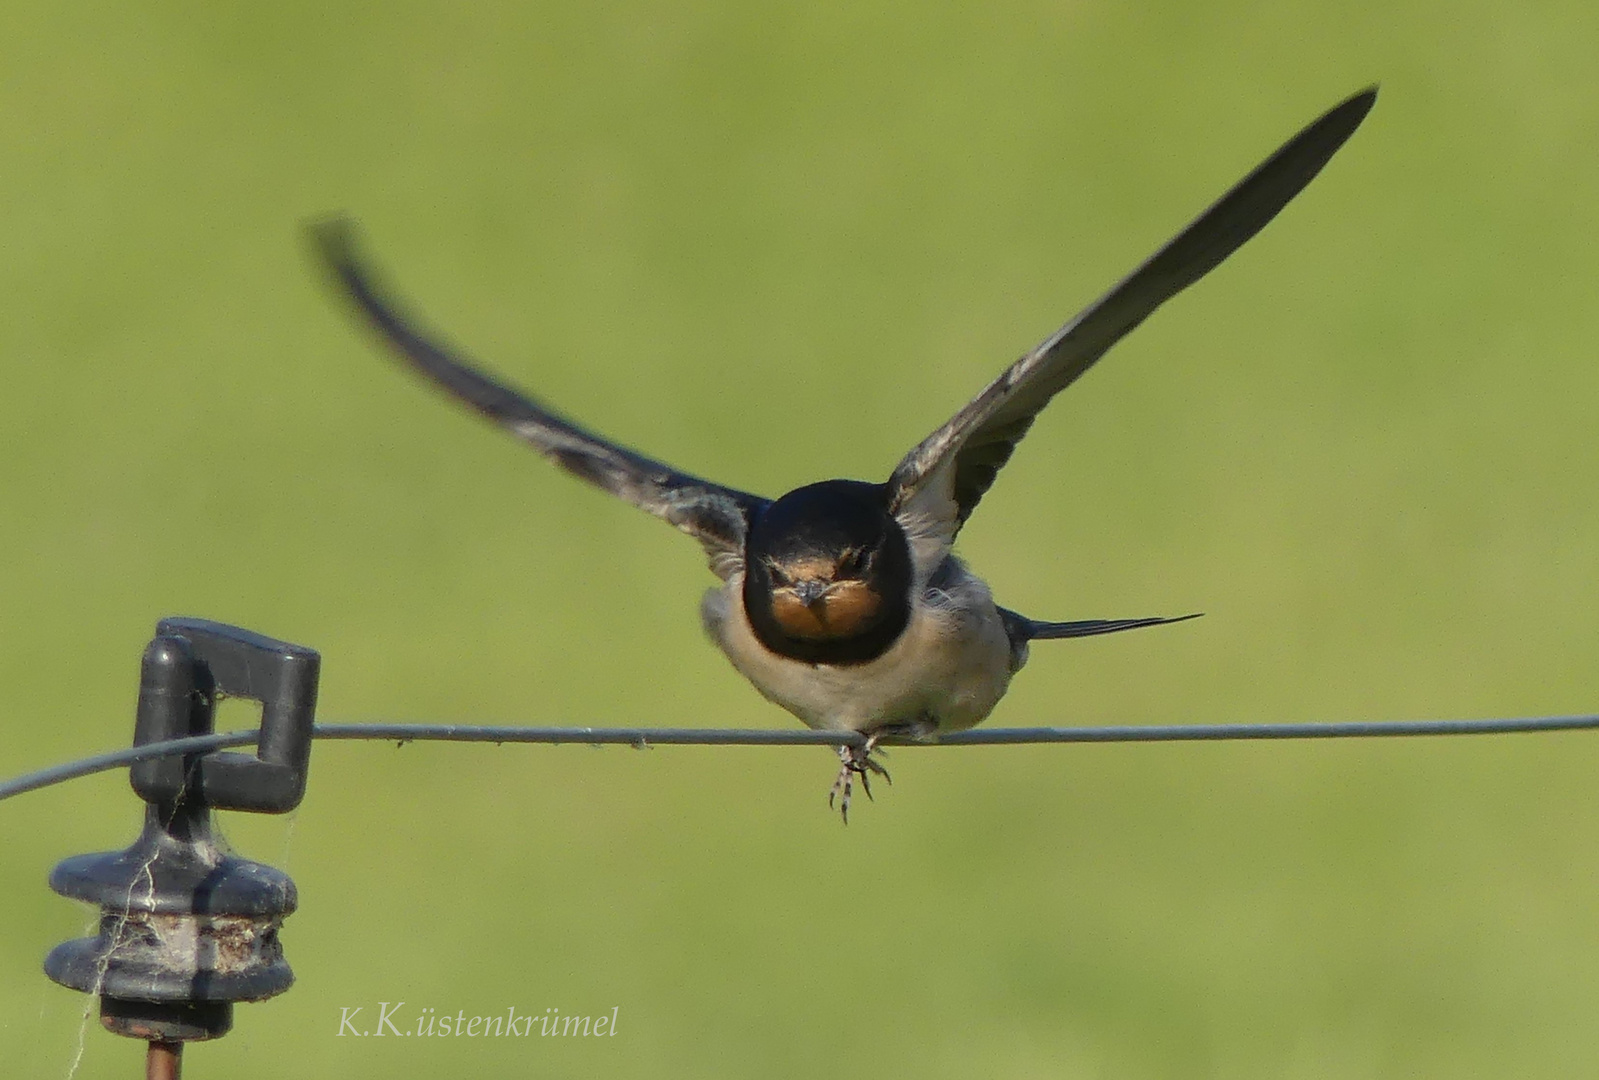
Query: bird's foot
pixel 857 761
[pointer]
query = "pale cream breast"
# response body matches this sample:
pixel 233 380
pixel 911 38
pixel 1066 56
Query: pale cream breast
pixel 951 665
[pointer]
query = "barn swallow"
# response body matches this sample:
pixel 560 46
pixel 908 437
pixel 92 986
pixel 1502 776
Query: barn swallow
pixel 842 601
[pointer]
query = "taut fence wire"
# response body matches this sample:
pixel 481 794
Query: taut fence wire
pixel 644 737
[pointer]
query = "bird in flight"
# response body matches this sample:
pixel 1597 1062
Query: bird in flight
pixel 843 601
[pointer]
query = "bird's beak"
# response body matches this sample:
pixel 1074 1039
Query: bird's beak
pixel 809 591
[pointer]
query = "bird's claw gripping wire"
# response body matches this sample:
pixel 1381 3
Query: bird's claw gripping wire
pixel 856 761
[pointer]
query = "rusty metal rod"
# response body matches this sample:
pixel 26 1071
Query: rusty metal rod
pixel 163 1061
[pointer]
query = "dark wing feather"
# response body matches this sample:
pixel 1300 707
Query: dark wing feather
pixel 716 516
pixel 982 435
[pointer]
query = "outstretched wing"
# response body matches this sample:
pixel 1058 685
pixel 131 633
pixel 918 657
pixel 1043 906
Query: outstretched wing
pixel 938 484
pixel 716 516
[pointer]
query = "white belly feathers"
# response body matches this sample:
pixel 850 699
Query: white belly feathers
pixel 950 667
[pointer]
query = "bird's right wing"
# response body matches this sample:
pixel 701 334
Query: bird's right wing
pixel 716 516
pixel 939 482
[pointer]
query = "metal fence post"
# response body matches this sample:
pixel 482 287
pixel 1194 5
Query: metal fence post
pixel 186 927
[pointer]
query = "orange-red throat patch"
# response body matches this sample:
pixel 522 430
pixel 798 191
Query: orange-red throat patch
pixel 843 611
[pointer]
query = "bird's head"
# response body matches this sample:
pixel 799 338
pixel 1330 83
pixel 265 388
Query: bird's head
pixel 828 575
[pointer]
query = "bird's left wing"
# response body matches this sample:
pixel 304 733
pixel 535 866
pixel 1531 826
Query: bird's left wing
pixel 937 485
pixel 716 516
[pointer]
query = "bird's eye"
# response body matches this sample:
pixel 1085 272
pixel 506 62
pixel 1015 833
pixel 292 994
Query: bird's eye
pixel 854 561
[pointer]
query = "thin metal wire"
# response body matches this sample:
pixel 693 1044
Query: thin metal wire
pixel 646 737
pixel 88 766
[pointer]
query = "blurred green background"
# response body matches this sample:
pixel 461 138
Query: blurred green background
pixel 772 246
